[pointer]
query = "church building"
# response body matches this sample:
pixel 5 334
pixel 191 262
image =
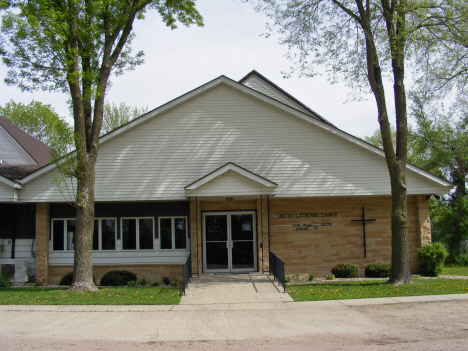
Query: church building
pixel 223 175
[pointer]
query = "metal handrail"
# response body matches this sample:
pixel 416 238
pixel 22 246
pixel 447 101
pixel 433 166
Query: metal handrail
pixel 277 269
pixel 187 272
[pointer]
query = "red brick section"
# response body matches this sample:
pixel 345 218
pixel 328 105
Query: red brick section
pixel 42 242
pixel 317 251
pixel 149 272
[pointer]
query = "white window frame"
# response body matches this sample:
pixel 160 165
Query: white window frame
pixel 172 218
pixel 137 233
pixel 100 219
pixel 65 239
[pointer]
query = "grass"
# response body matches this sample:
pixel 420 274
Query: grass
pixel 373 288
pixel 104 296
pixel 455 270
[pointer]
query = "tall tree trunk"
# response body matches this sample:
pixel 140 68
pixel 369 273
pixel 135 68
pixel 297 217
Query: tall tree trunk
pixel 83 260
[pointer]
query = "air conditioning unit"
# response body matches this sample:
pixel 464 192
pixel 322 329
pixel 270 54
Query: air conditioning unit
pixel 16 269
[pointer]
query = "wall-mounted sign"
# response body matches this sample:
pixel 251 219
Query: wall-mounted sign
pixel 308 215
pixel 305 226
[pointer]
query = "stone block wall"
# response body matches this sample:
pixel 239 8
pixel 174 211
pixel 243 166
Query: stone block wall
pixel 312 235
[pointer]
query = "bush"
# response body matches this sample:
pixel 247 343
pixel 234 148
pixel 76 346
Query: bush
pixel 175 284
pixel 378 270
pixel 311 277
pixel 155 283
pixel 131 283
pixel 330 277
pixel 431 259
pixel 166 281
pixel 345 270
pixel 143 282
pixel 457 260
pixel 287 279
pixel 117 278
pixel 5 281
pixel 67 279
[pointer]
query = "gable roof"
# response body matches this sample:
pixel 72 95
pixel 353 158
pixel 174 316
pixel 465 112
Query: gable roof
pixel 230 179
pixel 322 125
pixel 38 151
pixel 271 92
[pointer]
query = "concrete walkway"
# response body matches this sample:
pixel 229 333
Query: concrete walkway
pixel 218 291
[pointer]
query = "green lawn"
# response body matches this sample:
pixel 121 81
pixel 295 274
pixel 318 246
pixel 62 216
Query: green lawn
pixel 455 270
pixel 104 296
pixel 372 288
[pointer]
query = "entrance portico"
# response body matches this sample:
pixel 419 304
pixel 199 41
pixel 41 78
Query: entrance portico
pixel 229 222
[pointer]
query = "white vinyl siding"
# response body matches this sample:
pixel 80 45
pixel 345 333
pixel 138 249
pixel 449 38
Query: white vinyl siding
pixel 7 193
pixel 230 184
pixel 157 159
pixel 11 152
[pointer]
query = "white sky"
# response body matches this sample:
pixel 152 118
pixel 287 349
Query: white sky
pixel 229 44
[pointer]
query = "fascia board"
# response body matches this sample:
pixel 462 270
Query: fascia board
pixel 10 183
pixel 231 167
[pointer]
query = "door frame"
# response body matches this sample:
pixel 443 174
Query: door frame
pixel 254 243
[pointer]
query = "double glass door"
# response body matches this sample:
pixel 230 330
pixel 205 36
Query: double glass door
pixel 229 242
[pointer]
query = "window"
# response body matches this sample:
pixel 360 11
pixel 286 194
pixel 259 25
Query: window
pixel 104 234
pixel 137 233
pixel 63 234
pixel 173 233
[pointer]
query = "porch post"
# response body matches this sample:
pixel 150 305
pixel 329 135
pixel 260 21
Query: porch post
pixel 195 235
pixel 265 229
pixel 42 242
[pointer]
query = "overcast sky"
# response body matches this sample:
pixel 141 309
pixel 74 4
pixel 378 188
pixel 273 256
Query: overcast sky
pixel 229 44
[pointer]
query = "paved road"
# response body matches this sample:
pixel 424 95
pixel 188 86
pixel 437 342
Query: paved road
pixel 346 325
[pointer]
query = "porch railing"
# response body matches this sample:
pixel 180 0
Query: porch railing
pixel 277 269
pixel 187 272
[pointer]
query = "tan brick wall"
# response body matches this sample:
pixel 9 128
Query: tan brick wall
pixel 42 242
pixel 317 251
pixel 149 272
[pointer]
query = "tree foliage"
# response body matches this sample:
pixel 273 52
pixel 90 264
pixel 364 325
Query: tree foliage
pixel 118 115
pixel 75 46
pixel 40 121
pixel 442 55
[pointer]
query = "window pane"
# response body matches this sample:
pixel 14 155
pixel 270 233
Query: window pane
pixel 180 233
pixel 146 234
pixel 96 235
pixel 58 242
pixel 129 234
pixel 71 234
pixel 108 234
pixel 165 235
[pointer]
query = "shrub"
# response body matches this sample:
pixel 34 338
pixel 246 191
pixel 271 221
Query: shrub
pixel 287 279
pixel 117 278
pixel 131 283
pixel 311 277
pixel 457 260
pixel 143 282
pixel 330 277
pixel 155 283
pixel 431 259
pixel 166 281
pixel 67 279
pixel 5 281
pixel 378 269
pixel 345 270
pixel 175 284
